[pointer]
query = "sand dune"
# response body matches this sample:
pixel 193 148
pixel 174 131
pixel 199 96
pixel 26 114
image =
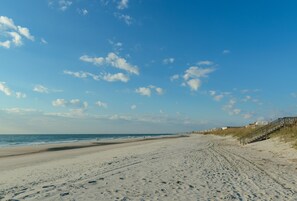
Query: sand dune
pixel 194 168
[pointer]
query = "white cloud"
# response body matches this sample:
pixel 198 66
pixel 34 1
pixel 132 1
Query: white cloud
pixel 121 63
pixel 145 118
pixel 120 4
pixel 117 46
pixel 147 91
pixel 72 113
pixel 144 91
pixel 159 90
pixel 120 117
pixel 231 109
pixel 43 41
pixel 83 11
pixel 5 89
pixel 205 63
pixel 101 104
pixel 174 77
pixel 7 23
pixel 249 98
pixel 60 4
pixel 59 102
pixel 8 92
pixel 113 60
pixel 226 51
pixel 216 96
pixel 25 32
pixel 76 74
pixel 107 76
pixel 75 101
pixel 82 74
pixel 85 104
pixel 123 4
pixel 16 38
pixel 133 107
pixel 193 74
pixel 93 60
pixel 76 105
pixel 20 95
pixel 116 77
pixel 212 93
pixel 64 4
pixel 40 89
pixel 5 44
pixel 12 33
pixel 194 84
pixel 125 18
pixel 168 60
pixel 159 118
pixel 19 110
pixel 197 72
pixel 229 105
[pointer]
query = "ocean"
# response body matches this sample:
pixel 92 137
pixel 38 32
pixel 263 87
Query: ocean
pixel 25 140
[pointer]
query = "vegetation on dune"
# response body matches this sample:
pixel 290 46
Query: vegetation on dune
pixel 287 134
pixel 235 132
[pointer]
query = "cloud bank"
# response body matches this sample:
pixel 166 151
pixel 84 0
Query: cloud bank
pixel 13 34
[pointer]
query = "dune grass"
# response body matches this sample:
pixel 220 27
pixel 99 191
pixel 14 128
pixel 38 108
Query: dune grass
pixel 287 134
pixel 235 132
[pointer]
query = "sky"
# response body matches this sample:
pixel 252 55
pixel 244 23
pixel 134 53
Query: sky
pixel 145 66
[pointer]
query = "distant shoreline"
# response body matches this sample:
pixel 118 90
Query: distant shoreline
pixel 54 147
pixel 19 140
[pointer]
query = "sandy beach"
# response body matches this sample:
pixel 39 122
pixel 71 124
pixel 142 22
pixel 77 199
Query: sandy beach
pixel 198 167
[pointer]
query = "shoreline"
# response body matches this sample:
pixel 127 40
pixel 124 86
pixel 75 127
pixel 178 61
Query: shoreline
pixel 13 151
pixel 22 140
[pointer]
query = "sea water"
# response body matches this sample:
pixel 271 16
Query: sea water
pixel 28 139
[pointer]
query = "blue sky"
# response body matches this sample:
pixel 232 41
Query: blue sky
pixel 134 66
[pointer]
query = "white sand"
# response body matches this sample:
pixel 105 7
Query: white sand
pixel 194 168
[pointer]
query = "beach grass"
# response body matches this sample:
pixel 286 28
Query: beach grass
pixel 287 134
pixel 235 132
